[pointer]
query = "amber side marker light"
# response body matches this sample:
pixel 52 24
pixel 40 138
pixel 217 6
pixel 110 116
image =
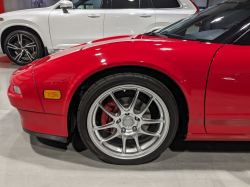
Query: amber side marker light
pixel 52 94
pixel 1 19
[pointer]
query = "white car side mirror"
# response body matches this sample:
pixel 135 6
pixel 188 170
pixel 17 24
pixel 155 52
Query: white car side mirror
pixel 66 4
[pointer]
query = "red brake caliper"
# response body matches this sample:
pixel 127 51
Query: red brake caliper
pixel 105 119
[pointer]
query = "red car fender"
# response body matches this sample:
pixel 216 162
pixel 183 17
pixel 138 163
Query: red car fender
pixel 67 70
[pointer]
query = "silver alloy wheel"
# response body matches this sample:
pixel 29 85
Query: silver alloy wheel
pixel 128 123
pixel 22 48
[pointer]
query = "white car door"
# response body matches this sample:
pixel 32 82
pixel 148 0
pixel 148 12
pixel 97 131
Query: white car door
pixel 82 24
pixel 128 17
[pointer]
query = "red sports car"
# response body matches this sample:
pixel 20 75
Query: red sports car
pixel 129 96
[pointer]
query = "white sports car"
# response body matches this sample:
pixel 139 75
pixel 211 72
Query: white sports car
pixel 27 35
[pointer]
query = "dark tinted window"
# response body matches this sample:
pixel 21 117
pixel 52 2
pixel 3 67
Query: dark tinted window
pixel 90 4
pixel 209 24
pixel 244 40
pixel 166 3
pixel 125 4
pixel 144 4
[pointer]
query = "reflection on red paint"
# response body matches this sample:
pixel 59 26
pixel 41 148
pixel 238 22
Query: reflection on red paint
pixel 4 59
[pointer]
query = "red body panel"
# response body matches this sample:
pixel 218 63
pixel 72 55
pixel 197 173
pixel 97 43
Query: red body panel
pixel 186 62
pixel 29 100
pixel 228 92
pixel 66 73
pixel 44 123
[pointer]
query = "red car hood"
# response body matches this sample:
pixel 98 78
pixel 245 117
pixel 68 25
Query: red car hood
pixel 106 41
pixel 131 37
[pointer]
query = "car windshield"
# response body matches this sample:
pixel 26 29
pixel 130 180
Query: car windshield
pixel 208 24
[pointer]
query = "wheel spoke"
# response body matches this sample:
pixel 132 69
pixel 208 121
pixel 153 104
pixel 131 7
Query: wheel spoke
pixel 30 45
pixel 124 141
pixel 146 107
pixel 13 46
pixel 151 121
pixel 107 112
pixel 149 133
pixel 107 126
pixel 122 109
pixel 109 138
pixel 20 39
pixel 19 56
pixel 132 105
pixel 137 142
pixel 29 55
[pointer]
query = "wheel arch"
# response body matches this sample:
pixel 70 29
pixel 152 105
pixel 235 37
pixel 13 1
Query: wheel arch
pixel 174 88
pixel 12 28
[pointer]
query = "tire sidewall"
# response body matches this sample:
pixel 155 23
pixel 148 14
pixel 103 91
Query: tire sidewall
pixel 40 50
pixel 112 81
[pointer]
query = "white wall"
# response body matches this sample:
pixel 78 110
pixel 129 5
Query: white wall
pixel 11 5
pixel 51 2
pixel 203 3
pixel 214 2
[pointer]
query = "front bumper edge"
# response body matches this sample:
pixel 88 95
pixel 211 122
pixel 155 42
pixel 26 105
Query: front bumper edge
pixel 47 136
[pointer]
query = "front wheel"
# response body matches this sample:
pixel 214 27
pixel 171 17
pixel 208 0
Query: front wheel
pixel 23 47
pixel 127 118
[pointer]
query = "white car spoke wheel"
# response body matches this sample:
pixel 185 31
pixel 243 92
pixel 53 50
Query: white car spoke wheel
pixel 23 47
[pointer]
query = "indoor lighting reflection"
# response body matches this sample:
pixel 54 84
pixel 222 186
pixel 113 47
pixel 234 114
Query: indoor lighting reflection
pixel 98 54
pixel 217 19
pixel 166 49
pixel 245 26
pixel 103 60
pixel 158 44
pixel 229 78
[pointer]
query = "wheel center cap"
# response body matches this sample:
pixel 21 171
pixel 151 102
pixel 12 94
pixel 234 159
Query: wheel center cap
pixel 128 121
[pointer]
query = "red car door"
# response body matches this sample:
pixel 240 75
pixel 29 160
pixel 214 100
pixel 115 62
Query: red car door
pixel 227 103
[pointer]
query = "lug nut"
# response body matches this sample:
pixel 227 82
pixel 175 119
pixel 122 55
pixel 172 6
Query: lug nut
pixel 134 128
pixel 137 119
pixel 118 121
pixel 127 114
pixel 123 130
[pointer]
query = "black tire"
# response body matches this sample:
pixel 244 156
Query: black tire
pixel 121 79
pixel 36 52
